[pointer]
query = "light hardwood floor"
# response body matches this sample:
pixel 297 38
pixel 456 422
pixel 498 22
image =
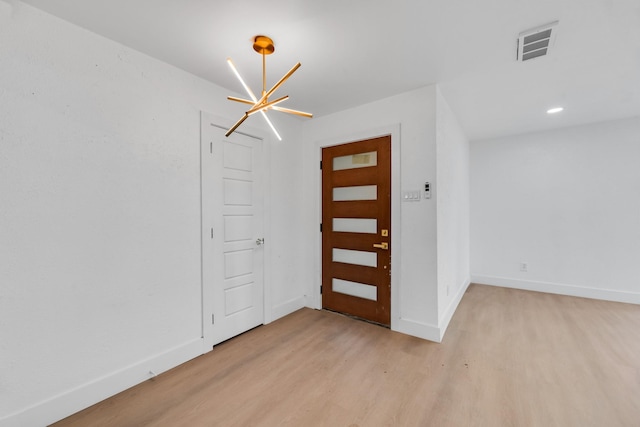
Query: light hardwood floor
pixel 509 358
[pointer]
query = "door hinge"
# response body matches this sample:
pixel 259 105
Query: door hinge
pixel 213 319
pixel 211 147
pixel 320 289
pixel 212 232
pixel 320 164
pixel 321 227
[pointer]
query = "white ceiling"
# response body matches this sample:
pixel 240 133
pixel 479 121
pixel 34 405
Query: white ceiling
pixel 356 51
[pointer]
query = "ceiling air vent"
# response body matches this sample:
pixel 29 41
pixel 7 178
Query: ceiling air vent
pixel 536 42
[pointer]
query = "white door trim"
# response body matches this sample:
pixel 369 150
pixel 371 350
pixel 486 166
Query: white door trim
pixel 206 247
pixel 394 131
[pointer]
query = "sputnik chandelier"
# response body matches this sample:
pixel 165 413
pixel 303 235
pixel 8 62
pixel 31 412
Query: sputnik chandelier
pixel 264 46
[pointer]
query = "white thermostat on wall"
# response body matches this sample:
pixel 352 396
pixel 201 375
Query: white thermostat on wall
pixel 427 190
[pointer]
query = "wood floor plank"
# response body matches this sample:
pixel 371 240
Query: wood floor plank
pixel 509 358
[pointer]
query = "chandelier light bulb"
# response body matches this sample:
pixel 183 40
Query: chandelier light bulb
pixel 554 110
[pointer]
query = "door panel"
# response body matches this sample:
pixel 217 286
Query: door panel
pixel 348 256
pixel 232 221
pixel 356 215
pixel 355 289
pixel 360 192
pixel 238 228
pixel 238 192
pixel 356 225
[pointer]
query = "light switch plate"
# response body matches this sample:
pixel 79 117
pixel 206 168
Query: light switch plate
pixel 411 196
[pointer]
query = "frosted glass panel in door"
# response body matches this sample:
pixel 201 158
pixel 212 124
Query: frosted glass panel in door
pixel 361 160
pixel 355 289
pixel 360 192
pixel 355 225
pixel 348 256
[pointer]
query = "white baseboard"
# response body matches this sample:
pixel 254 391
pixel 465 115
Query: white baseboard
pixel 559 288
pixel 428 331
pixel 81 397
pixel 288 307
pixel 417 329
pixel 453 305
pixel 312 302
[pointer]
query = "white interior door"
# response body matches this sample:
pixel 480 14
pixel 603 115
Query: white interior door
pixel 232 226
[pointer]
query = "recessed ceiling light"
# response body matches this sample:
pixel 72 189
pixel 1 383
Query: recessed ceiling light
pixel 554 110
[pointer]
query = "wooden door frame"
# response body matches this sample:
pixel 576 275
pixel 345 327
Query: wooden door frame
pixel 207 284
pixel 394 132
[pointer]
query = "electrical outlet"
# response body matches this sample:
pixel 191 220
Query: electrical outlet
pixel 524 266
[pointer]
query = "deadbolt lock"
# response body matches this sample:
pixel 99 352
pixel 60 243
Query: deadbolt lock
pixel 384 233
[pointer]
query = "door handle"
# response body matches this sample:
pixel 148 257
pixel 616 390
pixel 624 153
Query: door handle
pixel 383 245
pixel 259 242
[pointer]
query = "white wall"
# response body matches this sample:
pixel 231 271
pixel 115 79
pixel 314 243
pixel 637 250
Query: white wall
pixel 415 272
pixel 100 216
pixel 567 203
pixel 285 241
pixel 452 156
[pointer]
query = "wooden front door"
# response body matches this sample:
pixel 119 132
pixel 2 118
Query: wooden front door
pixel 356 229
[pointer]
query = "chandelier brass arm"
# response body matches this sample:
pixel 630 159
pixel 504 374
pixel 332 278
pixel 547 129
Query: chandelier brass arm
pixel 290 111
pixel 267 105
pixel 266 95
pixel 238 123
pixel 244 101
